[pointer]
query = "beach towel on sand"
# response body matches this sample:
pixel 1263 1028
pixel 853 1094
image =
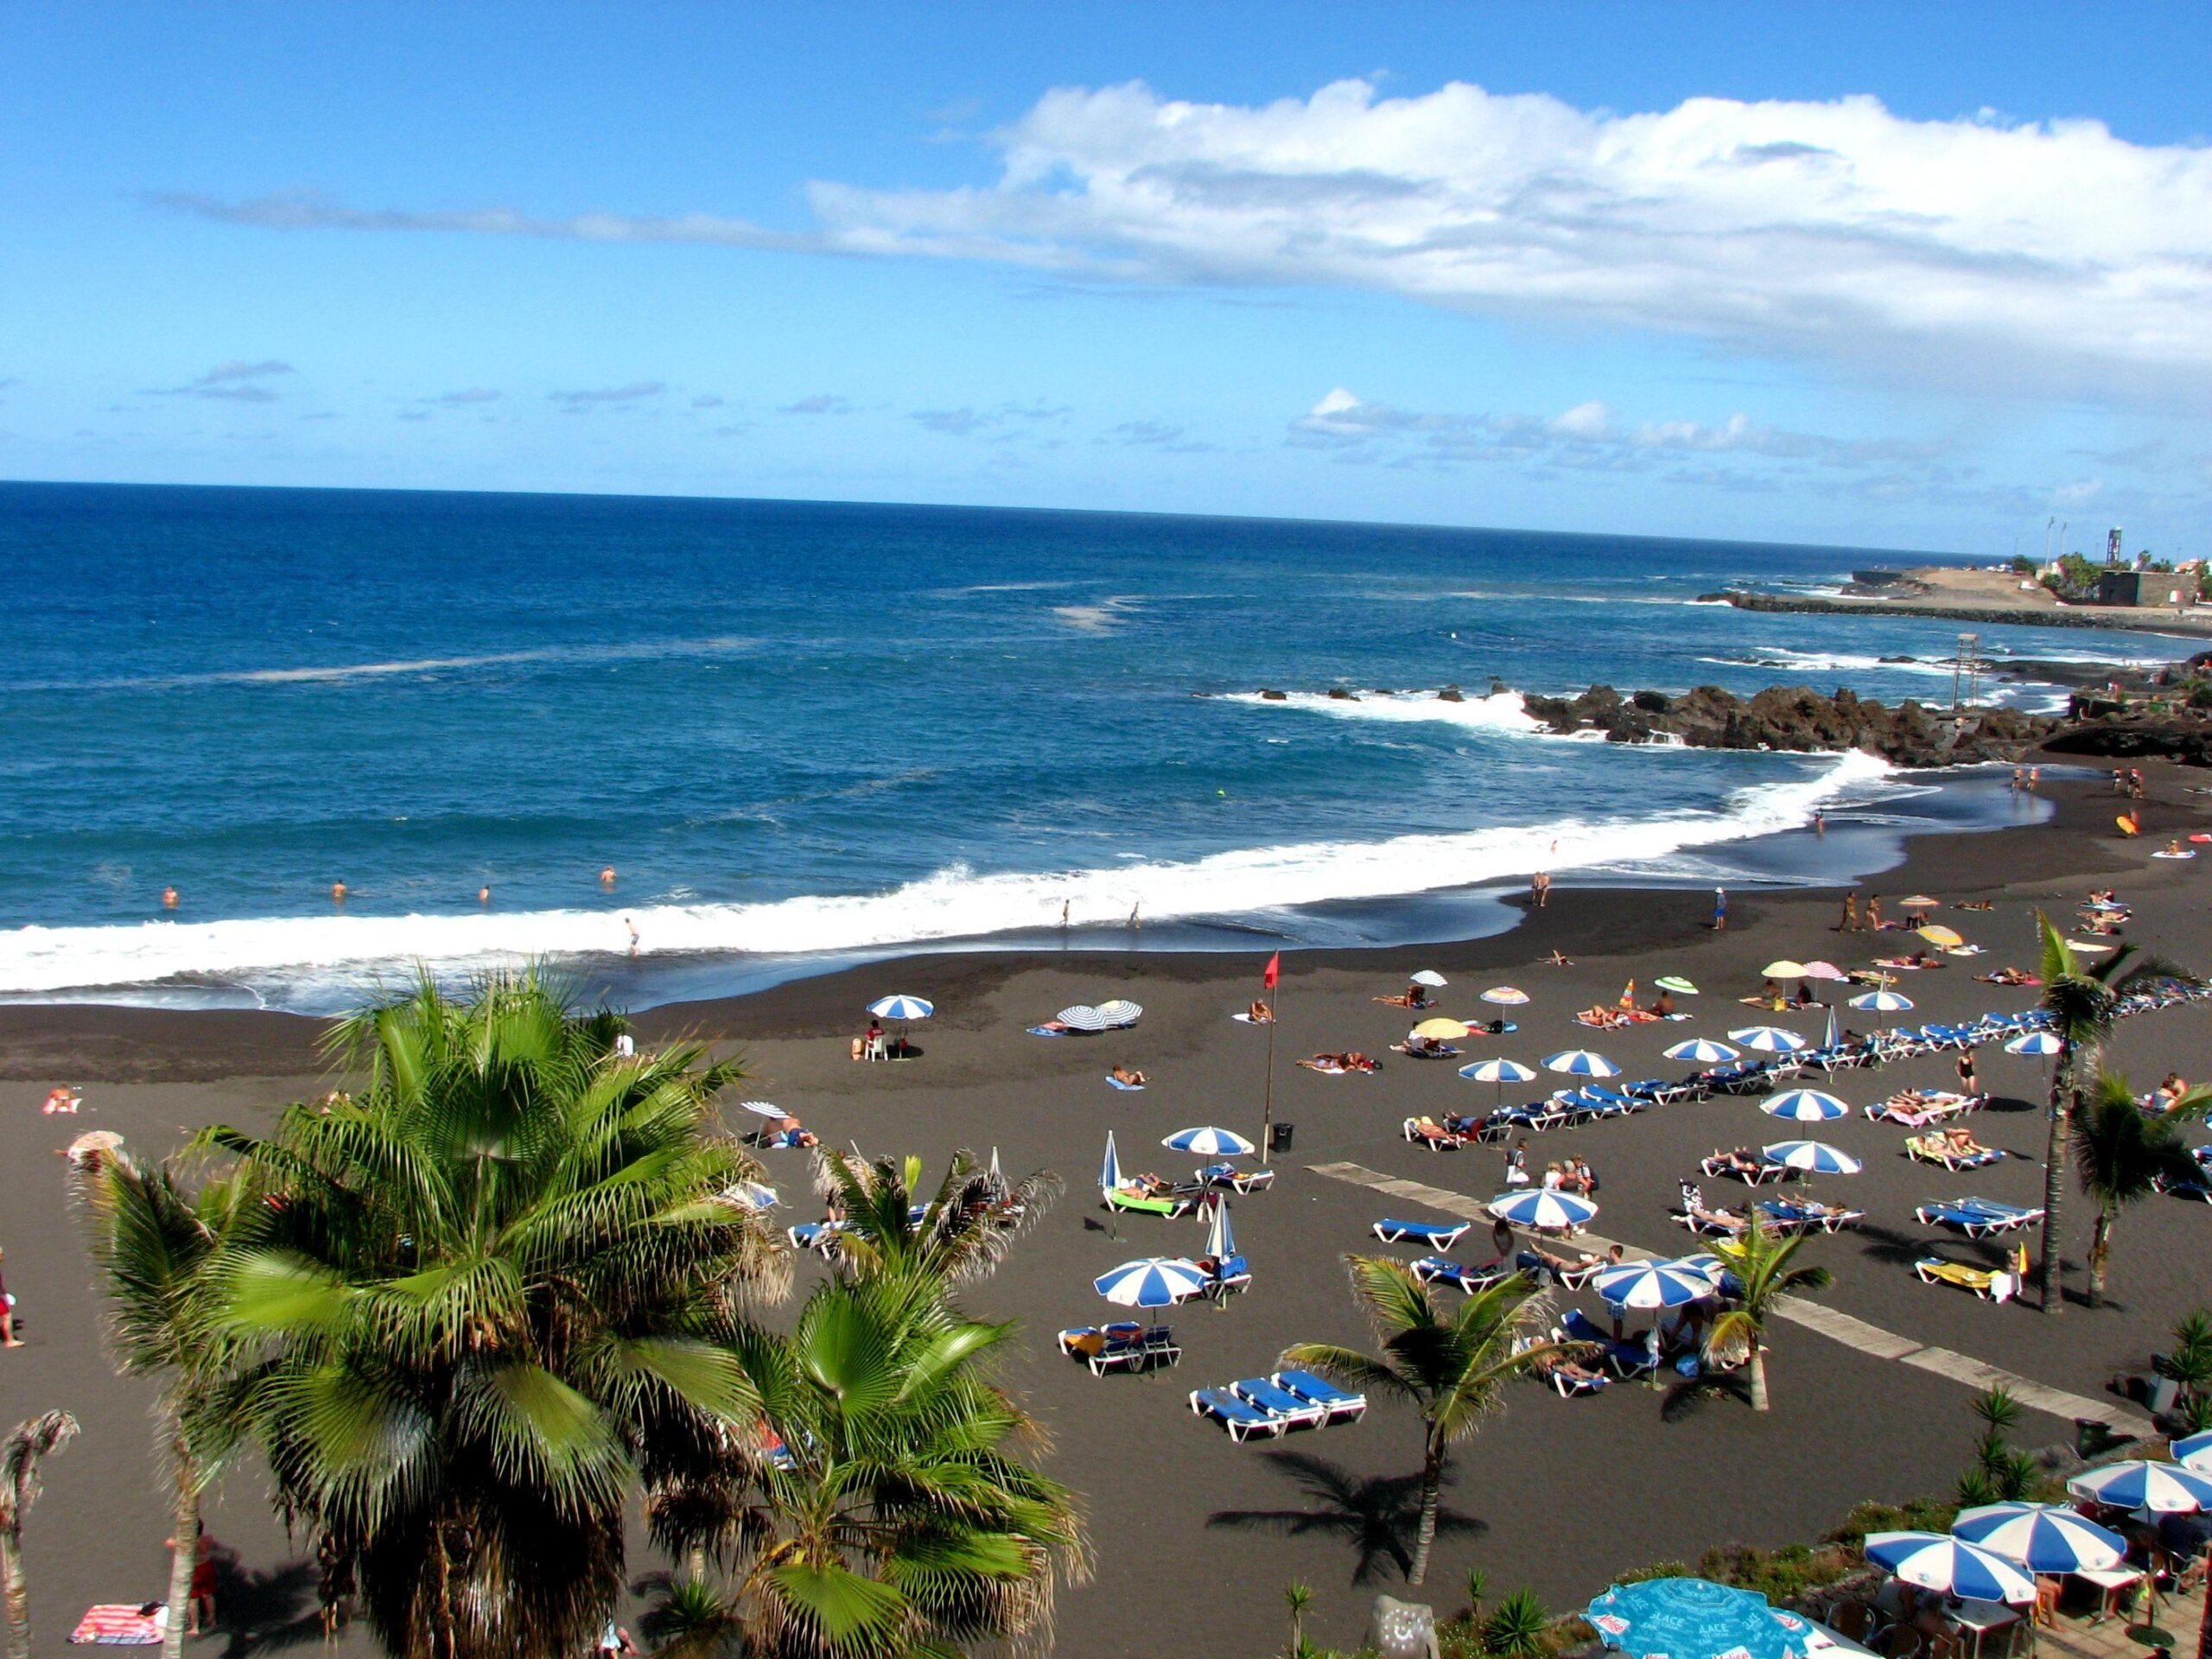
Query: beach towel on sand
pixel 121 1624
pixel 1134 1088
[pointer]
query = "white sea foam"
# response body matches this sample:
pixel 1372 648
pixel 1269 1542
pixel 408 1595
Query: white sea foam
pixel 338 673
pixel 1501 711
pixel 955 903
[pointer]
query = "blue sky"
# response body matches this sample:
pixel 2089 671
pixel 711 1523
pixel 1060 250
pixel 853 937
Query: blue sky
pixel 1904 277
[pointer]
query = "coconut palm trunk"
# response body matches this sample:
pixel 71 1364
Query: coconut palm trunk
pixel 1432 1500
pixel 2100 1257
pixel 1756 1370
pixel 184 1528
pixel 2050 1291
pixel 33 1441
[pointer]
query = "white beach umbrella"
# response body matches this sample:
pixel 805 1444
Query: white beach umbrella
pixel 1580 1063
pixel 1546 1211
pixel 1210 1143
pixel 1652 1284
pixel 1120 1013
pixel 2089 947
pixel 1509 996
pixel 2035 1042
pixel 1828 970
pixel 1804 1106
pixel 763 1109
pixel 1934 1560
pixel 752 1195
pixel 1701 1051
pixel 1430 977
pixel 1083 1017
pixel 2139 1484
pixel 1883 1002
pixel 901 1007
pixel 2041 1537
pixel 1767 1039
pixel 1814 1157
pixel 1156 1282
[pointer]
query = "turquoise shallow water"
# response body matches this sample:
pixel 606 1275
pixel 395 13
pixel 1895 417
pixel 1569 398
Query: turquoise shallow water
pixel 797 730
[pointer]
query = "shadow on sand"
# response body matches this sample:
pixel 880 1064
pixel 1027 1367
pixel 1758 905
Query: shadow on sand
pixel 1375 1516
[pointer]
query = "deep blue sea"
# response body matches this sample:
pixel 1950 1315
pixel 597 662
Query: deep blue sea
pixel 801 731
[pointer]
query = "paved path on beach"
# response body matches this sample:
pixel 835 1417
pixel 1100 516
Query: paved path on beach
pixel 1827 1321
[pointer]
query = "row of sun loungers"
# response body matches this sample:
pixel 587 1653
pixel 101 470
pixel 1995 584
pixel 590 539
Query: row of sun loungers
pixel 1782 1215
pixel 1940 1149
pixel 1266 1406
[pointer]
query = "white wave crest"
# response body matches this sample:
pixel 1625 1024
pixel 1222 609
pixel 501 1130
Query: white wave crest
pixel 955 903
pixel 1501 711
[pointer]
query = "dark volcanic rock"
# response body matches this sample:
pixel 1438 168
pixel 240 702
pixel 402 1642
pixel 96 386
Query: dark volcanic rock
pixel 2188 742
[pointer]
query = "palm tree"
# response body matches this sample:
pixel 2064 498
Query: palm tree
pixel 34 1440
pixel 1761 1260
pixel 959 1234
pixel 1449 1367
pixel 2122 1156
pixel 2082 1001
pixel 890 1518
pixel 151 1240
pixel 487 1298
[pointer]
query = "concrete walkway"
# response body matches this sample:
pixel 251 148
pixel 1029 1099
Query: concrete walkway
pixel 1824 1321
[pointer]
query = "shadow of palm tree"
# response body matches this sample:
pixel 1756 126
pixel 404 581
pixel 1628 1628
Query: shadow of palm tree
pixel 1888 1244
pixel 1686 1399
pixel 265 1611
pixel 1375 1515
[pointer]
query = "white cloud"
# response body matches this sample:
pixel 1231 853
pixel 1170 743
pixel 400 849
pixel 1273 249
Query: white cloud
pixel 1833 230
pixel 233 382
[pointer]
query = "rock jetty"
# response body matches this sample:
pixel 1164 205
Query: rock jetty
pixel 1795 718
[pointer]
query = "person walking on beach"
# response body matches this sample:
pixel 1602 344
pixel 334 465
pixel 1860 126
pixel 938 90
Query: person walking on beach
pixel 1874 913
pixel 1720 909
pixel 1819 823
pixel 1850 922
pixel 1540 888
pixel 8 1337
pixel 1968 1083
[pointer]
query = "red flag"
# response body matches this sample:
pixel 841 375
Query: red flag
pixel 1275 972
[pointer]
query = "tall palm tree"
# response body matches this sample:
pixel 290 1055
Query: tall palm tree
pixel 2083 1000
pixel 960 1233
pixel 487 1297
pixel 1449 1367
pixel 2122 1155
pixel 892 1517
pixel 152 1240
pixel 1763 1260
pixel 36 1439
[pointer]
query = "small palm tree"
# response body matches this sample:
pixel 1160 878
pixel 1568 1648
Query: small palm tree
pixel 1763 1260
pixel 1298 1596
pixel 895 1520
pixel 2082 1001
pixel 961 1233
pixel 1449 1367
pixel 152 1240
pixel 2122 1155
pixel 34 1440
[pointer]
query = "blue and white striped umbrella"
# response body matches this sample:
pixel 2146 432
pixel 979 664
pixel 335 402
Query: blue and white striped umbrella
pixel 1210 1143
pixel 1580 1063
pixel 902 1007
pixel 2041 1537
pixel 1546 1211
pixel 2161 1488
pixel 1702 1051
pixel 1156 1282
pixel 1109 1172
pixel 2036 1042
pixel 1221 1235
pixel 1652 1284
pixel 2195 1452
pixel 752 1195
pixel 1804 1106
pixel 1814 1157
pixel 1767 1039
pixel 1883 1002
pixel 1935 1561
pixel 1499 1071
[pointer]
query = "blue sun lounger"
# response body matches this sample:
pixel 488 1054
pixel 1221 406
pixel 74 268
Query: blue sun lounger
pixel 1976 1217
pixel 1342 1407
pixel 1431 1235
pixel 1629 1360
pixel 1237 1180
pixel 1122 1346
pixel 2200 1188
pixel 1298 1413
pixel 815 1235
pixel 1792 1216
pixel 1441 1269
pixel 1239 1416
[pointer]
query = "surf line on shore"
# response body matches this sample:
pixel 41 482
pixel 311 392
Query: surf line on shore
pixel 957 903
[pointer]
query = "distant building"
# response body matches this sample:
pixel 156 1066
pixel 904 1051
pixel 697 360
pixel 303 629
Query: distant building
pixel 2138 588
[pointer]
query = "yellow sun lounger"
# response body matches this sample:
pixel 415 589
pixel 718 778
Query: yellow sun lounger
pixel 1991 1287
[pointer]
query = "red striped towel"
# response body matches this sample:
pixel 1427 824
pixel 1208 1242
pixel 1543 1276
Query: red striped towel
pixel 120 1625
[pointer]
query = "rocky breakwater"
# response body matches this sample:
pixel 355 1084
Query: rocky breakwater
pixel 1796 718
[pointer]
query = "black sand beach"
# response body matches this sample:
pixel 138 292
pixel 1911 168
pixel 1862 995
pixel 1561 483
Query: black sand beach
pixel 1196 1536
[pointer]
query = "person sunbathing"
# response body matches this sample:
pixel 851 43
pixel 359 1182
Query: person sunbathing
pixel 1728 1221
pixel 1128 1077
pixel 1536 1259
pixel 1419 1047
pixel 1260 1014
pixel 1428 1131
pixel 1553 1364
pixel 2009 975
pixel 1604 1018
pixel 2164 1097
pixel 1413 996
pixel 1663 1005
pixel 1741 1161
pixel 1974 904
pixel 788 1132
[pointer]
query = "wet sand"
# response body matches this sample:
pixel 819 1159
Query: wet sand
pixel 1194 1534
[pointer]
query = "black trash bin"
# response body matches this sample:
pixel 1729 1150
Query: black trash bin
pixel 1278 1137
